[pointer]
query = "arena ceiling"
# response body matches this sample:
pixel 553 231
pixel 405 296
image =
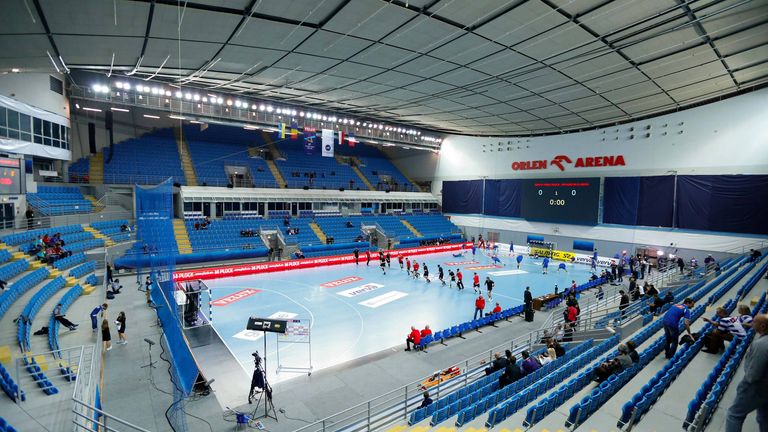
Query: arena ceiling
pixel 484 67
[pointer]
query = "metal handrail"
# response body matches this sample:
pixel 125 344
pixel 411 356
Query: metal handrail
pixel 42 222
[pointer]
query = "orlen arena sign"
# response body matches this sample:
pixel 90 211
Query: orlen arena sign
pixel 563 161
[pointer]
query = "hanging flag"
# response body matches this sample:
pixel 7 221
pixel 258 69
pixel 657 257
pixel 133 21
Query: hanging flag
pixel 309 143
pixel 341 138
pixel 294 130
pixel 282 130
pixel 351 139
pixel 327 143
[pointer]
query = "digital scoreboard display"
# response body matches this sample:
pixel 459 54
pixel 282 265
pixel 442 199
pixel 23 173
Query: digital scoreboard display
pixel 574 201
pixel 10 176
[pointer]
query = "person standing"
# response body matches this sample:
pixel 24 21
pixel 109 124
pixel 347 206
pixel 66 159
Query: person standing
pixel 479 306
pixel 357 256
pixel 672 325
pixel 382 263
pixel 750 393
pixel 109 273
pixel 545 265
pixel 120 322
pixel 106 336
pixel 95 313
pixel 600 293
pixel 148 289
pixel 623 302
pixel 389 258
pixel 476 283
pixel 408 266
pixel 440 274
pixel 30 215
pixel 367 257
pixel 459 280
pixel 489 284
pixel 415 269
pixel 528 298
pixel 400 260
pixel 511 248
pixel 426 273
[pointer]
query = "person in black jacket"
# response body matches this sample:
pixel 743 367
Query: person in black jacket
pixel 498 364
pixel 624 302
pixel 511 373
pixel 528 298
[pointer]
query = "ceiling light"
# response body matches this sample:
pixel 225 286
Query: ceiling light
pixel 139 88
pixel 126 86
pixel 15 70
pixel 196 97
pixel 205 99
pixel 151 116
pixel 262 107
pixel 178 94
pixel 91 109
pixel 177 117
pixel 238 104
pixel 278 111
pixel 219 101
pixel 119 109
pixel 119 85
pixel 77 105
pixel 167 92
pixel 293 112
pixel 269 108
pixel 154 90
pixel 254 107
pixel 229 102
pixel 301 113
pixel 188 96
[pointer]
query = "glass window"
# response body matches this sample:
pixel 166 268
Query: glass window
pixel 26 136
pixel 187 206
pixel 47 141
pixel 55 131
pixel 13 120
pixel 25 123
pixel 38 126
pixel 3 122
pixel 13 134
pixel 38 139
pixel 3 132
pixel 46 129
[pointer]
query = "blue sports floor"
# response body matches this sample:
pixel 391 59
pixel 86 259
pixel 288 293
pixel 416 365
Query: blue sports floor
pixel 353 319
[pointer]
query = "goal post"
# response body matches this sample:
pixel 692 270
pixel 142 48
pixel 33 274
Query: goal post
pixel 541 248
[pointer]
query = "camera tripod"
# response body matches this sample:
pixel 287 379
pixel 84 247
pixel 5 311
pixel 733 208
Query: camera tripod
pixel 260 388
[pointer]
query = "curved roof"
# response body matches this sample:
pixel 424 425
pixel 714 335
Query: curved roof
pixel 490 67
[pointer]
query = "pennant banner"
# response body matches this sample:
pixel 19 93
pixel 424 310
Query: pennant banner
pixel 328 137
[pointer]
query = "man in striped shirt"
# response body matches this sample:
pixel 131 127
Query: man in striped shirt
pixel 727 328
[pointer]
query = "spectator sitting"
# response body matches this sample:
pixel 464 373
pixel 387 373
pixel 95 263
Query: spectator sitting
pixel 498 364
pixel 606 369
pixel 413 338
pixel 727 328
pixel 58 316
pixel 745 316
pixel 298 254
pixel 656 303
pixel 530 364
pixel 426 401
pixel 511 373
pixel 632 347
pixel 46 239
pixel 669 298
pixel 197 226
pixel 496 309
pixel 426 331
pixel 350 225
pixel 544 358
pixel 623 358
pixel 551 350
pixel 559 350
pixel 115 286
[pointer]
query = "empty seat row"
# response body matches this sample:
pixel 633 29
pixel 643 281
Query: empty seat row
pixel 83 269
pixel 5 256
pixel 18 288
pixel 84 246
pixel 70 261
pixel 11 270
pixel 33 307
pixel 115 223
pixel 9 386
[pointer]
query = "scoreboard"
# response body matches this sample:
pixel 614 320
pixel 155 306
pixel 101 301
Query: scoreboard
pixel 10 176
pixel 573 200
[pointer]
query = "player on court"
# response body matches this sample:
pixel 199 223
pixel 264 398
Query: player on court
pixel 474 249
pixel 367 257
pixel 476 283
pixel 593 264
pixel 497 261
pixel 426 273
pixel 519 260
pixel 382 262
pixel 561 266
pixel 440 274
pixel 489 284
pixel 459 280
pixel 357 256
pixel 452 275
pixel 545 265
pixel 388 259
pixel 511 248
pixel 415 269
pixel 408 265
pixel 400 260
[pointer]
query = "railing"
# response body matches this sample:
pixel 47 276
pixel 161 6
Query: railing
pixel 41 222
pixel 394 406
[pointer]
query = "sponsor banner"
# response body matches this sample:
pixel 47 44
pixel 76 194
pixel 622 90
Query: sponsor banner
pixel 383 299
pixel 283 316
pixel 484 267
pixel 362 289
pixel 556 254
pixel 235 297
pixel 275 266
pixel 601 261
pixel 249 335
pixel 507 272
pixel 339 282
pixel 460 263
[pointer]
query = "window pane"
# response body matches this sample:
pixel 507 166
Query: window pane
pixel 54 131
pixel 26 136
pixel 38 126
pixel 13 134
pixel 2 117
pixel 25 124
pixel 46 128
pixel 13 120
pixel 47 141
pixel 38 139
pixel 63 133
pixel 3 132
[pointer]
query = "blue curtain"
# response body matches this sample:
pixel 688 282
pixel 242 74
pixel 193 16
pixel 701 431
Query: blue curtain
pixel 464 196
pixel 655 207
pixel 731 203
pixel 502 198
pixel 621 198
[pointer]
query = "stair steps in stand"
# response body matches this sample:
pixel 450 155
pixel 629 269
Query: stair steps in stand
pixel 318 232
pixel 411 228
pixel 97 234
pixel 182 236
pixel 96 171
pixel 95 204
pixel 186 159
pixel 361 175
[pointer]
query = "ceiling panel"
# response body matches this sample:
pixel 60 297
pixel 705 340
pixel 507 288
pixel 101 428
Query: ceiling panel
pixel 642 105
pixel 126 50
pixel 521 23
pixel 748 57
pixel 382 56
pixel 480 11
pixel 239 59
pixel 622 13
pixel 370 19
pixel 743 40
pixel 216 27
pixel 739 15
pixel 123 18
pixel 193 55
pixel 271 34
pixel 423 34
pixel 327 44
pixel 467 49
pixel 693 91
pixel 692 75
pixel 310 11
pixel 751 74
pixel 558 41
pixel 680 61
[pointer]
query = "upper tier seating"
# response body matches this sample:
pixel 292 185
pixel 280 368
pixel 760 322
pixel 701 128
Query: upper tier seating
pixel 329 174
pixel 225 233
pixel 59 200
pixel 220 146
pixel 379 171
pixel 29 236
pixel 150 159
pixel 79 171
